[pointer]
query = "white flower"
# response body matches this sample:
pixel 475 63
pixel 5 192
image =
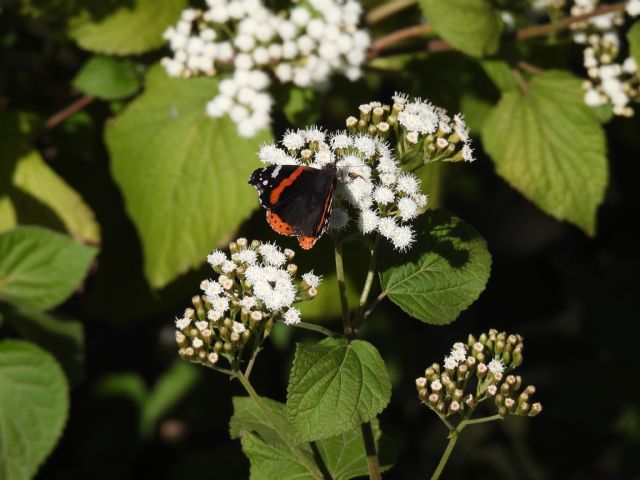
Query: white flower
pixel 197 343
pixel 228 266
pixel 293 140
pixel 311 279
pixel 408 183
pixel 292 316
pixel 633 8
pixel 450 363
pixel 592 98
pixel 402 238
pixel 271 254
pixel 216 258
pixel 201 325
pixel 366 145
pixel 387 227
pixel 214 315
pixel 419 116
pixel 272 286
pixel 238 328
pixel 495 366
pixel 383 195
pixel 368 221
pixel 248 302
pixel 182 323
pixel 213 289
pixel 436 386
pixel 246 255
pixel 421 382
pixel 341 140
pixel 459 352
pixel 219 304
pixel 407 208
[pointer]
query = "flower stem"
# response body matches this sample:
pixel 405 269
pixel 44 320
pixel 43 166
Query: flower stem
pixel 373 463
pixel 317 328
pixel 279 428
pixel 342 289
pixel 386 9
pixel 368 283
pixel 453 438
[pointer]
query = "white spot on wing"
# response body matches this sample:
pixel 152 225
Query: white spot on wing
pixel 276 171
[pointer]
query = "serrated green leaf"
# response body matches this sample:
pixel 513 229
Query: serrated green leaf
pixel 40 269
pixel 40 196
pixel 444 272
pixel 344 455
pixel 34 403
pixel 334 387
pixel 183 175
pixel 549 146
pixel 471 26
pixel 500 74
pixel 108 78
pixel 133 28
pixel 63 337
pixel 634 41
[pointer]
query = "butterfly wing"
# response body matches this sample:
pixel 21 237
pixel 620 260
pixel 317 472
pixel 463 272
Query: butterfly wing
pixel 298 200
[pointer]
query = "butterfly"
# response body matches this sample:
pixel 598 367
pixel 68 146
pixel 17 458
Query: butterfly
pixel 297 198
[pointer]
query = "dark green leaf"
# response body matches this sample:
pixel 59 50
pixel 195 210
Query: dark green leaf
pixel 34 404
pixel 108 78
pixel 444 272
pixel 634 41
pixel 39 268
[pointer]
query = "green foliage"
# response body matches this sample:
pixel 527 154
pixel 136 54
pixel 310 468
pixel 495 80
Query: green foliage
pixel 108 78
pixel 61 336
pixel 40 269
pixel 343 455
pixel 34 403
pixel 548 145
pixel 303 106
pixel 334 387
pixel 132 28
pixel 634 41
pixel 183 175
pixel 444 272
pixel 471 26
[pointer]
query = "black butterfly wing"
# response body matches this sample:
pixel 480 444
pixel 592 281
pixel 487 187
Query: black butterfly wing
pixel 298 199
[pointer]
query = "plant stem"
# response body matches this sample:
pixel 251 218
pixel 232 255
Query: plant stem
pixel 368 283
pixel 398 36
pixel 386 9
pixel 373 463
pixel 453 438
pixel 342 289
pixel 61 115
pixel 280 429
pixel 374 304
pixel 317 328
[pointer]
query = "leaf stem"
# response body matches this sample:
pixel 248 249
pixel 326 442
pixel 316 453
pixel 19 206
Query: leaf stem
pixel 61 115
pixel 374 304
pixel 373 463
pixel 386 9
pixel 406 33
pixel 317 328
pixel 342 289
pixel 368 283
pixel 281 431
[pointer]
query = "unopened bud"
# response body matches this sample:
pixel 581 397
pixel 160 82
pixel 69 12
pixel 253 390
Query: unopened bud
pixel 292 269
pixel 454 407
pixel 433 398
pixel 421 382
pixel 422 393
pixel 246 335
pixel 235 337
pixel 213 358
pixel 227 347
pixel 217 347
pixel 181 339
pixel 228 322
pixel 523 408
pixel 536 408
pixel 491 390
pixel 189 352
pixel 509 403
pixel 289 254
pixel 352 124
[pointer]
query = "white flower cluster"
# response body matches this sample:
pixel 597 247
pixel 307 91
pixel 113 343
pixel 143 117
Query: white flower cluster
pixel 303 46
pixel 612 79
pixel 371 184
pixel 256 286
pixel 425 122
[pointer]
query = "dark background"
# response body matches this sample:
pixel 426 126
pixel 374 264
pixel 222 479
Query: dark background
pixel 572 297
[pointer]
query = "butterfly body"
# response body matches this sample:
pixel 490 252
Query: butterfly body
pixel 297 198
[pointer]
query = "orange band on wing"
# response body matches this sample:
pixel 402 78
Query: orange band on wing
pixel 278 224
pixel 276 192
pixel 307 242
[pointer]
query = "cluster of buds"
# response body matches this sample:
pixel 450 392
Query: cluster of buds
pixel 423 132
pixel 476 371
pixel 371 185
pixel 304 46
pixel 256 286
pixel 613 77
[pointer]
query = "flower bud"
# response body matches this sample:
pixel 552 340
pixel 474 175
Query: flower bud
pixel 227 347
pixel 202 355
pixel 228 322
pixel 421 382
pixel 217 347
pixel 246 335
pixel 233 247
pixel 189 352
pixel 376 114
pixel 181 339
pixel 242 242
pixel 422 393
pixel 509 403
pixel 454 407
pixel 352 124
pixel 536 408
pixel 212 358
pixel 235 337
pixel 523 408
pixel 292 269
pixel 491 390
pixel 433 398
pixel 289 254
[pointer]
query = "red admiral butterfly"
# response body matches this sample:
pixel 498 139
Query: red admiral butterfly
pixel 297 198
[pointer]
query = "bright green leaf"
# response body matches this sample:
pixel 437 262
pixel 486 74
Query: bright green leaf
pixel 303 106
pixel 472 26
pixel 634 41
pixel 34 403
pixel 444 272
pixel 108 78
pixel 183 175
pixel 60 336
pixel 334 387
pixel 500 74
pixel 344 455
pixel 548 145
pixel 40 196
pixel 40 269
pixel 133 28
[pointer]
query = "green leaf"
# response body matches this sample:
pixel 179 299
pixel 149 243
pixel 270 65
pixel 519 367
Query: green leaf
pixel 136 27
pixel 444 272
pixel 34 403
pixel 61 336
pixel 108 78
pixel 634 41
pixel 40 269
pixel 472 26
pixel 500 74
pixel 549 146
pixel 170 388
pixel 183 175
pixel 303 106
pixel 40 196
pixel 344 455
pixel 334 387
